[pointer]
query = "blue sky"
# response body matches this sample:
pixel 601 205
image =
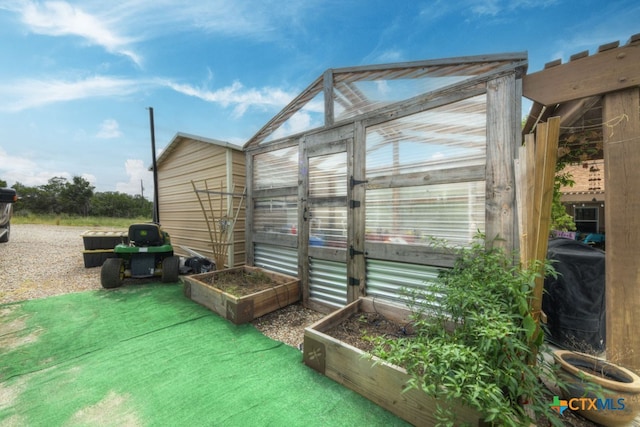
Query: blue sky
pixel 76 77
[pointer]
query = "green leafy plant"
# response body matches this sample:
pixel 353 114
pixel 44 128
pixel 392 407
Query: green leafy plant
pixel 560 219
pixel 474 340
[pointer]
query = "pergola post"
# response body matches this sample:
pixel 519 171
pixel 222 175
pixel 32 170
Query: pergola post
pixel 621 134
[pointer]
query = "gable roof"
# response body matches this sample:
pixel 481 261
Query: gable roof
pixel 348 92
pixel 180 137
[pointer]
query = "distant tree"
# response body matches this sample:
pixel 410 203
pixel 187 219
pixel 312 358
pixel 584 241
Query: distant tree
pixel 116 204
pixel 3 183
pixel 49 198
pixel 75 197
pixel 30 199
pixel 78 198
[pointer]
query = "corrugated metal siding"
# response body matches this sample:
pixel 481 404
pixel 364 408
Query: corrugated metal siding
pixel 180 211
pixel 387 279
pixel 328 282
pixel 276 258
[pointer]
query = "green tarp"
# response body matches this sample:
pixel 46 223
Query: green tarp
pixel 144 355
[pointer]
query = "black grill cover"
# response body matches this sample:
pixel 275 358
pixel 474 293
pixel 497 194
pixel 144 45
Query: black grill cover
pixel 574 302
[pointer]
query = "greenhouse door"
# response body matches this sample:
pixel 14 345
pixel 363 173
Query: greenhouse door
pixel 325 218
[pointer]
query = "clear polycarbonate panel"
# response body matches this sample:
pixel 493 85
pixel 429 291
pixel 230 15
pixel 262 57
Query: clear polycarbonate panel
pixel 309 117
pixel 328 226
pixel 416 215
pixel 449 136
pixel 276 169
pixel 352 98
pixel 327 196
pixel 328 175
pixel 275 215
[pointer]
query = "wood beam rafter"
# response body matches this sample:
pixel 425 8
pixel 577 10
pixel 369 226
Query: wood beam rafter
pixel 608 70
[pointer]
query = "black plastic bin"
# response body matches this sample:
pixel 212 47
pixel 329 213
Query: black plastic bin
pixel 574 302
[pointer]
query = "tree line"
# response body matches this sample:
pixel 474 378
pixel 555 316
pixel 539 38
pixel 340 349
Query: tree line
pixel 77 197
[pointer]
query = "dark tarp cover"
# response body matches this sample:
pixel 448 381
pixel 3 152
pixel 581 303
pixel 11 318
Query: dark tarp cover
pixel 574 302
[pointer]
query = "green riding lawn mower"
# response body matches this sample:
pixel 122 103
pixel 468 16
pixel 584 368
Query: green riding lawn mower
pixel 147 254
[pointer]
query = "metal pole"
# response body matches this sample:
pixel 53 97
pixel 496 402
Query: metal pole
pixel 156 207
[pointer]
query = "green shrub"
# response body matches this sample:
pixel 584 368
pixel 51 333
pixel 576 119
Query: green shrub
pixel 474 336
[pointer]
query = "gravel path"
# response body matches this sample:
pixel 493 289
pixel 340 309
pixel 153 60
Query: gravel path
pixel 44 260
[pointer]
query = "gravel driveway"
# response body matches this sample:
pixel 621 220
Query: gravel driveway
pixel 44 260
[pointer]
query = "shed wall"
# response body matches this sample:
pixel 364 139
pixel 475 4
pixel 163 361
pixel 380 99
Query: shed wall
pixel 180 211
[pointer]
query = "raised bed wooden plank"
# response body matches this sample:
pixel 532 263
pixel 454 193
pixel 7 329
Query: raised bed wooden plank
pixel 378 381
pixel 243 309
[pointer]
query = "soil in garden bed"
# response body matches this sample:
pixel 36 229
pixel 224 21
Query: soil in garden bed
pixel 360 325
pixel 240 282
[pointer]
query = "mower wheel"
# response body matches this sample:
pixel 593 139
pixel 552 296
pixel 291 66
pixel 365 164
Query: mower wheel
pixel 170 269
pixel 111 274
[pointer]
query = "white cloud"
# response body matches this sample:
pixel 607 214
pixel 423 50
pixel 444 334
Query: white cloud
pixel 25 171
pixel 237 95
pixel 59 18
pixel 29 93
pixel 111 25
pixel 90 178
pixel 433 11
pixel 137 173
pixel 299 122
pixel 109 129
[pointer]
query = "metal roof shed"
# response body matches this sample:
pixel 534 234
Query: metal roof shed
pixel 190 158
pixel 388 157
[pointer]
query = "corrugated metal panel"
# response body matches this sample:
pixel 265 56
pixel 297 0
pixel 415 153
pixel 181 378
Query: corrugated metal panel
pixel 180 212
pixel 328 282
pixel 276 258
pixel 388 279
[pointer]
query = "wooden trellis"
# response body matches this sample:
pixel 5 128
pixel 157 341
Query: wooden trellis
pixel 221 214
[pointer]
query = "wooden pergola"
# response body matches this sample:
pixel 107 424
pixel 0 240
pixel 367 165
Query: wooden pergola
pixel 597 98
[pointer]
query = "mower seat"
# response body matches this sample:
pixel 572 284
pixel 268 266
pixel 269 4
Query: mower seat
pixel 146 235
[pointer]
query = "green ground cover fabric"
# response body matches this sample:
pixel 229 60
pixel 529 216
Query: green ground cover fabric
pixel 145 355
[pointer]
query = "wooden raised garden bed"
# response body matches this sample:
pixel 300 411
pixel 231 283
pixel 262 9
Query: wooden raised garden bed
pixel 242 294
pixel 380 382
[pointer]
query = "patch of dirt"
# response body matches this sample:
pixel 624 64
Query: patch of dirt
pixel 114 409
pixel 240 282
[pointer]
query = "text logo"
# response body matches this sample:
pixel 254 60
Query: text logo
pixel 587 404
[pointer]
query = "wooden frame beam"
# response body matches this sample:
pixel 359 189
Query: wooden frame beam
pixel 607 71
pixel 621 133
